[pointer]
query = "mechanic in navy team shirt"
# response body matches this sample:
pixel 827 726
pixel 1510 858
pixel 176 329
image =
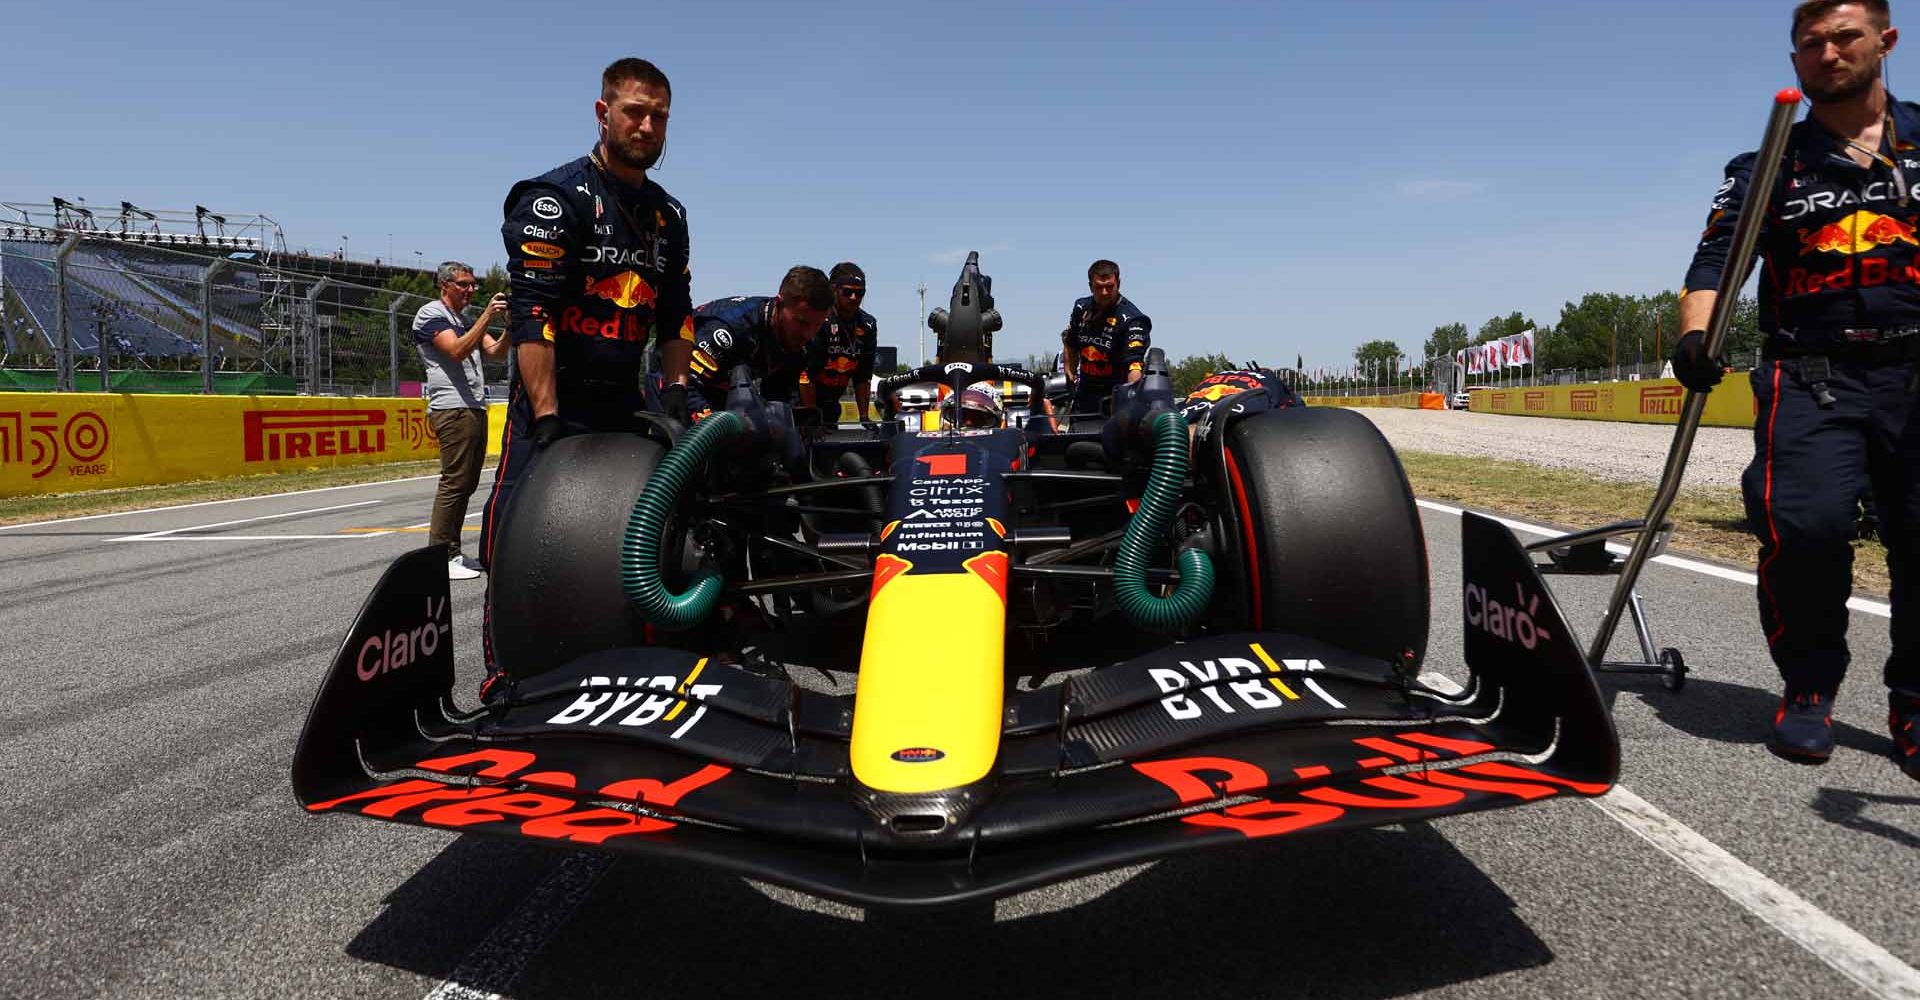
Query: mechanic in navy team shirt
pixel 598 265
pixel 770 334
pixel 1106 340
pixel 842 352
pixel 597 260
pixel 1840 307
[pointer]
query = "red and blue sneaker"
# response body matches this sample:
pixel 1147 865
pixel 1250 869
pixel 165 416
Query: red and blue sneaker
pixel 1803 729
pixel 1903 718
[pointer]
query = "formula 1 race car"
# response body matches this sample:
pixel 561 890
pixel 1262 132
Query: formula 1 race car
pixel 943 658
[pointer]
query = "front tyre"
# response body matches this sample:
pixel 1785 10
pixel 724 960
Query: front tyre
pixel 555 579
pixel 1330 538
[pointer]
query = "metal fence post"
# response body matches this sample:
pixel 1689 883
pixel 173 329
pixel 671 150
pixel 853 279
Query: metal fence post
pixel 393 345
pixel 313 335
pixel 206 326
pixel 64 379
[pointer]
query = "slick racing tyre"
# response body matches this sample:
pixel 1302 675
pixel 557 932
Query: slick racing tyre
pixel 1329 537
pixel 555 577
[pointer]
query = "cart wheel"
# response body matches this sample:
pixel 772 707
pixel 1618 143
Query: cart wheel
pixel 1676 676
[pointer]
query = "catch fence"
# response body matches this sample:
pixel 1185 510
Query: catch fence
pixel 87 314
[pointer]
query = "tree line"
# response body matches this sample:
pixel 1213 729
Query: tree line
pixel 1602 330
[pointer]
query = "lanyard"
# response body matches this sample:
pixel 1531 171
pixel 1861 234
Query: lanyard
pixel 619 203
pixel 1892 141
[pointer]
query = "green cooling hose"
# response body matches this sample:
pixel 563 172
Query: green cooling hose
pixel 1148 527
pixel 640 552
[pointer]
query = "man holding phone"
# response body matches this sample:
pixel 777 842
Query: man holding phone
pixel 456 391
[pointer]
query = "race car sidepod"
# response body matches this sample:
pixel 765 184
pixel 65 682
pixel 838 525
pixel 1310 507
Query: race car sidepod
pixel 1217 741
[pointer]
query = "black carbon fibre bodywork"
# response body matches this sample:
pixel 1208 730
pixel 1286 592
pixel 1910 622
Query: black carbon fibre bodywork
pixel 1212 742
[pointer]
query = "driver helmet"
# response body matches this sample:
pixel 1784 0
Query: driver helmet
pixel 977 406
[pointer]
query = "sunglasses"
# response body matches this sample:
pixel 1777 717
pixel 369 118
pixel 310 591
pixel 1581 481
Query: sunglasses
pixel 853 293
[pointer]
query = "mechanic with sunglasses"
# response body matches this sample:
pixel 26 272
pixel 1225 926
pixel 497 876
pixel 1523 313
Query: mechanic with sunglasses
pixel 842 352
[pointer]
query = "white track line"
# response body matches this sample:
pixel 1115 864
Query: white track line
pixel 494 963
pixel 1849 952
pixel 210 503
pixel 1861 604
pixel 163 534
pixel 254 538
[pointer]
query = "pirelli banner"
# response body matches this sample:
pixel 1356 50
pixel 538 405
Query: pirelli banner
pixel 1656 401
pixel 66 442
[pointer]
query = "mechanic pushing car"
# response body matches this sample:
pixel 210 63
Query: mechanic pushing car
pixel 1840 307
pixel 597 260
pixel 1105 341
pixel 772 335
pixel 842 352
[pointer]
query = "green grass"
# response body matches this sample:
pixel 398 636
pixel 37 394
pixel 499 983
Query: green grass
pixel 1706 522
pixel 43 508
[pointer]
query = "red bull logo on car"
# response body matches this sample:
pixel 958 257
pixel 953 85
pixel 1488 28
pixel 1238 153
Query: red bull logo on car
pixel 1860 232
pixel 625 290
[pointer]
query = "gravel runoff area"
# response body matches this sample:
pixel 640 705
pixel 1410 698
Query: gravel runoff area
pixel 1632 453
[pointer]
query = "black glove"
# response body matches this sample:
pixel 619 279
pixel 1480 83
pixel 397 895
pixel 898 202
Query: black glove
pixel 673 400
pixel 1691 365
pixel 547 430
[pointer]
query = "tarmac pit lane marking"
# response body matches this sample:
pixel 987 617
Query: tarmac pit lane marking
pixel 210 503
pixel 1877 608
pixel 1849 952
pixel 490 969
pixel 1846 950
pixel 422 527
pixel 174 534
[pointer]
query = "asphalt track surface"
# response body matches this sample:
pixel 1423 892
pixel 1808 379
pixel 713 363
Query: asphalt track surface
pixel 157 667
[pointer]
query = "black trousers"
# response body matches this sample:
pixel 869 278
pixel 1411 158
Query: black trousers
pixel 1811 465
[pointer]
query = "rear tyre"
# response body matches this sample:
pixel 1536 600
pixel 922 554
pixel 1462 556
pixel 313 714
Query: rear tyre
pixel 555 579
pixel 1330 539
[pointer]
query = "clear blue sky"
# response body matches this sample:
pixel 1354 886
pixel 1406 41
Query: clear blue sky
pixel 1273 179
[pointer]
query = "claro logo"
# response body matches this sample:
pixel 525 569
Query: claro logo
pixel 1509 622
pixel 396 648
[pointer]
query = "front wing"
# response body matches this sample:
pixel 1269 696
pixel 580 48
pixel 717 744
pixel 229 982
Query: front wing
pixel 1216 741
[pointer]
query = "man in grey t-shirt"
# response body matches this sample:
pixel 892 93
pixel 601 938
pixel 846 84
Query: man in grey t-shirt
pixel 456 392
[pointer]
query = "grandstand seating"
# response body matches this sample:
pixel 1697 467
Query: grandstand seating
pixel 146 300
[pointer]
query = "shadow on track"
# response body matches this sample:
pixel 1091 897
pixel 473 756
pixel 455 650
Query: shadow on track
pixel 1844 807
pixel 1373 913
pixel 1731 713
